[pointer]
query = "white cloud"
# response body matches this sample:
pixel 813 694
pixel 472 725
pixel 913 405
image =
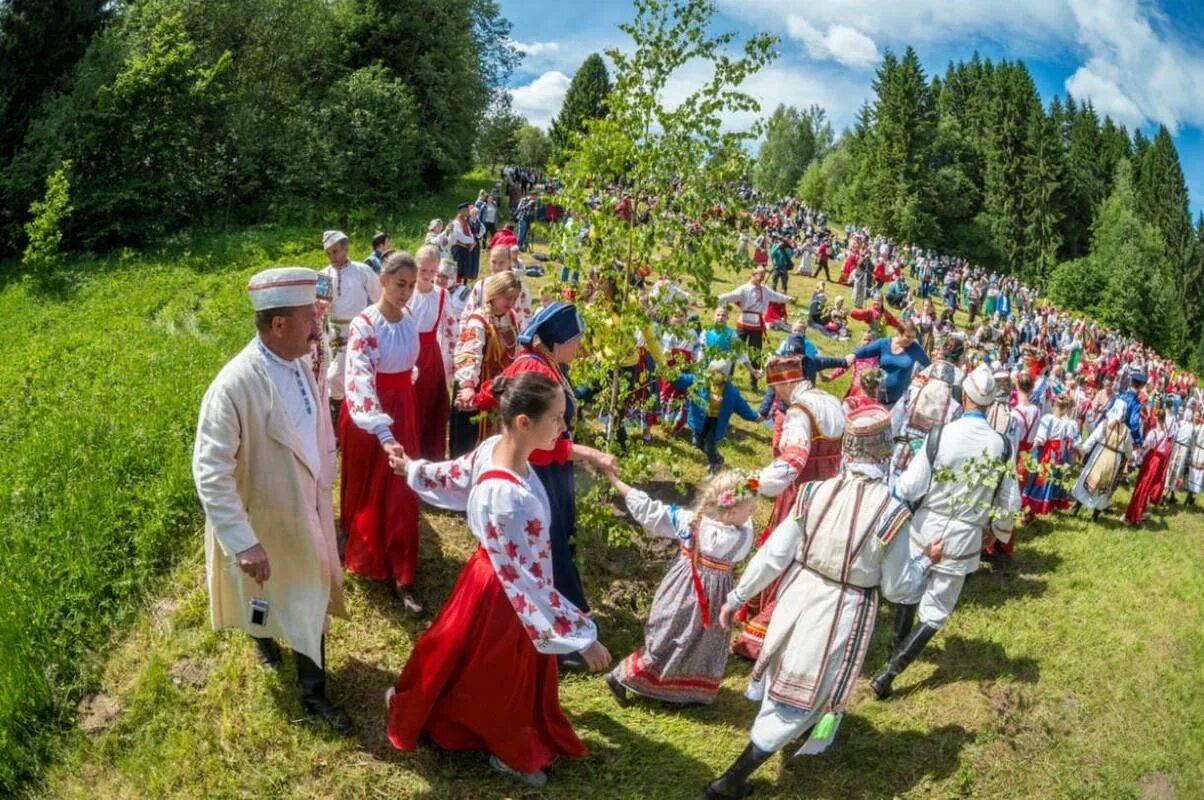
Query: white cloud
pixel 541 99
pixel 841 43
pixel 1132 72
pixel 535 48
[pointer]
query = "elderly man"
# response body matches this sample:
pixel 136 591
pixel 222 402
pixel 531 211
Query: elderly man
pixel 845 538
pixel 354 286
pixel 264 466
pixel 961 482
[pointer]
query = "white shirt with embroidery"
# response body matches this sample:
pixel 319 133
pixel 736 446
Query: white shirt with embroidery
pixel 354 287
pixel 510 519
pixel 376 345
pixel 715 539
pixel 302 407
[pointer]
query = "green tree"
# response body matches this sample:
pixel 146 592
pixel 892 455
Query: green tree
pixel 533 147
pixel 584 100
pixel 788 148
pixel 44 231
pixel 1125 281
pixel 1043 212
pixel 497 136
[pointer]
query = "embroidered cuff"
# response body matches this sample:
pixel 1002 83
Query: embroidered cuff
pixel 383 434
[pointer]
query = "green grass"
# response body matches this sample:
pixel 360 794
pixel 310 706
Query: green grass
pixel 1072 672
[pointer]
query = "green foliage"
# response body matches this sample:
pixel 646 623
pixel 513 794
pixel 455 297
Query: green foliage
pixel 497 136
pixel 44 231
pixel 793 139
pixel 1125 281
pixel 584 100
pixel 533 147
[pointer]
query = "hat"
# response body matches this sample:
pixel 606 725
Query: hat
pixel 282 287
pixel 979 386
pixel 867 435
pixel 462 206
pixel 1003 384
pixel 331 238
pixel 1138 377
pixel 555 323
pixel 379 237
pixel 783 369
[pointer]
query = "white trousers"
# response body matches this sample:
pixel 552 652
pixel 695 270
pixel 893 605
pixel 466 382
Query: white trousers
pixel 941 591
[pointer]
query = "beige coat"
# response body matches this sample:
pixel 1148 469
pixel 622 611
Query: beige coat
pixel 256 486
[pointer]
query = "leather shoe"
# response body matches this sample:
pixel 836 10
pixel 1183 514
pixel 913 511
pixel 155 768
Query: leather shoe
pixel 328 712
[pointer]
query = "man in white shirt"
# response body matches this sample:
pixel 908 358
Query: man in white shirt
pixel 753 300
pixel 354 286
pixel 264 466
pixel 981 495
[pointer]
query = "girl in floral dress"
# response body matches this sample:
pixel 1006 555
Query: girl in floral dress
pixel 685 649
pixel 484 675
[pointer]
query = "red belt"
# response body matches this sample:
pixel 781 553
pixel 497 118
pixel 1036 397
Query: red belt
pixel 392 380
pixel 428 338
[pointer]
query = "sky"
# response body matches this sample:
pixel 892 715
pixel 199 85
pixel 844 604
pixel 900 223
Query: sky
pixel 1139 61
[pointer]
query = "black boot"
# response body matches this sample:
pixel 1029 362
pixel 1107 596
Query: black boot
pixel 268 652
pixel 1074 512
pixel 900 660
pixel 905 618
pixel 1095 515
pixel 734 783
pixel 313 693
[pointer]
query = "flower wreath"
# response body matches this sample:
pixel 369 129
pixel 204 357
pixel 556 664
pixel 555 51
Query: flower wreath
pixel 749 487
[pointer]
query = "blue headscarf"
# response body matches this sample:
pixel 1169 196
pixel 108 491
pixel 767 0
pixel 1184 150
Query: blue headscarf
pixel 555 323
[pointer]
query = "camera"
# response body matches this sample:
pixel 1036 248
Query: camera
pixel 324 290
pixel 259 611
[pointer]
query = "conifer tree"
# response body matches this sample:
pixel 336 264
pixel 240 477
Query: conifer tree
pixel 584 100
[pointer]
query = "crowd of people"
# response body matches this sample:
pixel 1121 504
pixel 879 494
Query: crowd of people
pixel 416 381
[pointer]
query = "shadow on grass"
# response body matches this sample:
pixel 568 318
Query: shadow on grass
pixel 866 762
pixel 960 659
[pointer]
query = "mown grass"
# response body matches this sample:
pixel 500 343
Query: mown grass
pixel 1072 671
pixel 101 374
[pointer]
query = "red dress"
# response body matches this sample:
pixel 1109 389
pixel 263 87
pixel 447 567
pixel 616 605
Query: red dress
pixel 433 403
pixel 484 675
pixel 1152 476
pixel 377 510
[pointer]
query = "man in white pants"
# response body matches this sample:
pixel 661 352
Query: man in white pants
pixel 957 510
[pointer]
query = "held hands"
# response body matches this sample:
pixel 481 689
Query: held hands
pixel 936 548
pixel 465 397
pixel 398 460
pixel 254 562
pixel 596 656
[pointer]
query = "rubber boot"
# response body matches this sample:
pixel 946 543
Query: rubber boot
pixel 900 660
pixel 313 693
pixel 905 618
pixel 734 783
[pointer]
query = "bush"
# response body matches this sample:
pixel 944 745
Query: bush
pixel 44 231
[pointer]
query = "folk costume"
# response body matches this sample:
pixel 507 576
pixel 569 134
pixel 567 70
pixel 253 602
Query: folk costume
pixel 753 300
pixel 933 398
pixel 957 511
pixel 432 403
pixel 1182 432
pixel 846 538
pixel 476 298
pixel 378 512
pixel 355 287
pixel 807 447
pixel 1152 475
pixel 685 649
pixel 1108 448
pixel 488 344
pixel 483 676
pixel 556 323
pixel 264 466
pixel 1195 467
pixel 1052 445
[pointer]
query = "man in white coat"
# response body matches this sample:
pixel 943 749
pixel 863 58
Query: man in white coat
pixel 979 494
pixel 264 466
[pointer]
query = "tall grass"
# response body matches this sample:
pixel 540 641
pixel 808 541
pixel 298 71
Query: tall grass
pixel 100 382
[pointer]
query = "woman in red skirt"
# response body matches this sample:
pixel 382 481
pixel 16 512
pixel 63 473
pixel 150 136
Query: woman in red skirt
pixel 378 512
pixel 428 306
pixel 1151 477
pixel 484 676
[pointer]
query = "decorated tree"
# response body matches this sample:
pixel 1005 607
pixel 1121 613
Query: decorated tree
pixel 655 184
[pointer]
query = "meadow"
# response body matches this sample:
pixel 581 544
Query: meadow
pixel 1072 670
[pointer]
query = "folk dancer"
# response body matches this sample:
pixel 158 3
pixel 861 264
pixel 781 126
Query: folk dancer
pixel 354 287
pixel 753 300
pixel 428 306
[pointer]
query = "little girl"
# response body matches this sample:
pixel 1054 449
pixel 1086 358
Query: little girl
pixel 685 649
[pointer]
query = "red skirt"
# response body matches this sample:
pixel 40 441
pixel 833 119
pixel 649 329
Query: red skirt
pixel 1149 480
pixel 476 682
pixel 432 400
pixel 378 510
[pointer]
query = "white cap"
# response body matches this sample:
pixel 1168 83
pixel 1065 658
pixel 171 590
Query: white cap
pixel 447 267
pixel 282 287
pixel 979 386
pixel 331 238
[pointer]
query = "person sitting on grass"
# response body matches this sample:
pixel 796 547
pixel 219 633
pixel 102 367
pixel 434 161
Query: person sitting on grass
pixel 685 650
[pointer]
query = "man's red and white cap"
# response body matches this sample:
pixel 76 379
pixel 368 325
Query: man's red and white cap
pixel 282 287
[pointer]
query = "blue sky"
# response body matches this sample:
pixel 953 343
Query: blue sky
pixel 1141 62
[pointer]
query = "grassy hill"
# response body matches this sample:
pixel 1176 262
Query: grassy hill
pixel 1071 671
